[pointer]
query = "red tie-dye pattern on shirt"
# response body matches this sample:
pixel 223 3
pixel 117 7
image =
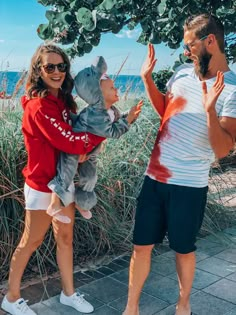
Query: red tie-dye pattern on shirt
pixel 155 169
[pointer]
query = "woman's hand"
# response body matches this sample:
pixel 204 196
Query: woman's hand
pixel 149 63
pixel 134 112
pixel 209 98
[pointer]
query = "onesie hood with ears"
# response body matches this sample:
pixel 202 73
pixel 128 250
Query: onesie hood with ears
pixel 87 82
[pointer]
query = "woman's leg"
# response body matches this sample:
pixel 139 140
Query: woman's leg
pixel 63 234
pixel 37 223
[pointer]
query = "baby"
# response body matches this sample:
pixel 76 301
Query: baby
pixel 100 117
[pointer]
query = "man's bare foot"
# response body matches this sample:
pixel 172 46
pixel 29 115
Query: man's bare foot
pixel 130 312
pixel 181 310
pixel 87 214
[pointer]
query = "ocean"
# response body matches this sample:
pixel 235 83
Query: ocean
pixel 125 83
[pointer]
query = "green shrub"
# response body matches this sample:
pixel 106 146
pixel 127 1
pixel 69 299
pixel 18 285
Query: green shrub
pixel 120 174
pixel 12 158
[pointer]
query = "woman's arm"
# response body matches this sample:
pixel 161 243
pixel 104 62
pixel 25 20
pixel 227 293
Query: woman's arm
pixel 60 134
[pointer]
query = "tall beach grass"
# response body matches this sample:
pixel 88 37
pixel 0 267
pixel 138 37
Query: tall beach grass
pixel 120 174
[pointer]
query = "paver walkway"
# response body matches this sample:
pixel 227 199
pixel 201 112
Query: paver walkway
pixel 214 288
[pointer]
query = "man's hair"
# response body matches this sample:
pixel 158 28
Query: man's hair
pixel 205 24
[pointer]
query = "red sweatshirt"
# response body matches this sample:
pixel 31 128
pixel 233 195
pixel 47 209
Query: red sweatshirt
pixel 47 131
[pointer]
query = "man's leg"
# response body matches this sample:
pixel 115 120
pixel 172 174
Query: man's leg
pixel 185 266
pixel 185 215
pixel 138 272
pixel 149 229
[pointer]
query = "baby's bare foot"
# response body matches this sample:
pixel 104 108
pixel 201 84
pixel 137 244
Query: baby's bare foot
pixel 53 209
pixel 62 218
pixel 58 214
pixel 87 214
pixel 55 205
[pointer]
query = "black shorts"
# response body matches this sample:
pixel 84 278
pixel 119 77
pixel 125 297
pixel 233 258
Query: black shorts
pixel 177 210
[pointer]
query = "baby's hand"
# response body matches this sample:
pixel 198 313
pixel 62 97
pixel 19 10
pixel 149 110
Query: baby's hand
pixel 134 112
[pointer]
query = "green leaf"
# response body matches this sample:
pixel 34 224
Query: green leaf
pixel 176 65
pixel 87 48
pixel 45 2
pixel 143 39
pixel 50 15
pixel 154 38
pixel 45 32
pixel 87 18
pixel 160 20
pixel 95 41
pixel 145 24
pixel 183 58
pixel 107 5
pixel 162 7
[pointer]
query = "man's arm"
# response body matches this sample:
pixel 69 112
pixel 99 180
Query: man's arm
pixel 221 131
pixel 156 98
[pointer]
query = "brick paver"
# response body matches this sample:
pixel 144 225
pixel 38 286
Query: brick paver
pixel 214 287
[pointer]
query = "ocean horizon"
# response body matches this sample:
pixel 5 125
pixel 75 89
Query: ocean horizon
pixel 125 83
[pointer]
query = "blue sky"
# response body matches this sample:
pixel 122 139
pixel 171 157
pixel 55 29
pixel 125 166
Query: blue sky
pixel 19 20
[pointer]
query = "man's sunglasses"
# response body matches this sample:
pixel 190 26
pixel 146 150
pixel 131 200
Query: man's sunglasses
pixel 188 46
pixel 50 67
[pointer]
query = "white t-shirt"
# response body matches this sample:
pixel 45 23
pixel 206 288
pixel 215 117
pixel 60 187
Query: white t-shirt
pixel 182 153
pixel 111 114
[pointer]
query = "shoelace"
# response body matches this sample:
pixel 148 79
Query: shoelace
pixel 22 305
pixel 79 298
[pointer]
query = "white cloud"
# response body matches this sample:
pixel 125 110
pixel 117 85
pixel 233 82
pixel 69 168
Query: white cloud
pixel 128 34
pixel 2 41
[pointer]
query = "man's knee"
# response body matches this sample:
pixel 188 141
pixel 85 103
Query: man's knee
pixel 142 250
pixel 181 256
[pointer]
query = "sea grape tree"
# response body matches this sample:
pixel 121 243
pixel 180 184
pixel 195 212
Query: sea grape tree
pixel 81 23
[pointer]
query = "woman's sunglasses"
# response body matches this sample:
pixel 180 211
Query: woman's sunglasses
pixel 50 67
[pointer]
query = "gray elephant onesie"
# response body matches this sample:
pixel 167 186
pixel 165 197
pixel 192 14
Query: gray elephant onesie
pixel 94 118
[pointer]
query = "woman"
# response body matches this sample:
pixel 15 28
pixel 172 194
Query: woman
pixel 47 131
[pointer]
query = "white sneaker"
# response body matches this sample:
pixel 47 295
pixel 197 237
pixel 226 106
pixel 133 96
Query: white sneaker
pixel 18 307
pixel 77 301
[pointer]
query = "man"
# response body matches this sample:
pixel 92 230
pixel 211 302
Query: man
pixel 198 122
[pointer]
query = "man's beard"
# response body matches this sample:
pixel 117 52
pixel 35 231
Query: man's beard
pixel 203 63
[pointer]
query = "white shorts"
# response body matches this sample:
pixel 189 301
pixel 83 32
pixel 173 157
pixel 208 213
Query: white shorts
pixel 38 200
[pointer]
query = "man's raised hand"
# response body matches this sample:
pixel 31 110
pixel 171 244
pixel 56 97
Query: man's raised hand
pixel 149 63
pixel 209 98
